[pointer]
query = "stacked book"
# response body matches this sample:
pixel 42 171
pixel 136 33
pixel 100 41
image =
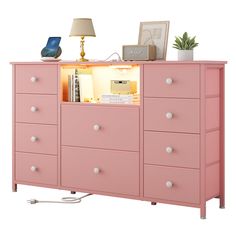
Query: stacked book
pixel 117 98
pixel 73 88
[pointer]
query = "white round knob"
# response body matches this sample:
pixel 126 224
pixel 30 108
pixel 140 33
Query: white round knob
pixel 33 168
pixel 33 139
pixel 96 127
pixel 169 150
pixel 33 109
pixel 33 79
pixel 169 115
pixel 96 170
pixel 169 81
pixel 169 184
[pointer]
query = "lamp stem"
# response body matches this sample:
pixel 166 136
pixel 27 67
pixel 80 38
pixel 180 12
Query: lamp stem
pixel 82 52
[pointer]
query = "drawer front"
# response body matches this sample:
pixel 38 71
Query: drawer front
pixel 36 108
pixel 36 168
pixel 100 127
pixel 167 114
pixel 170 183
pixel 171 149
pixel 36 138
pixel 36 79
pixel 101 170
pixel 171 81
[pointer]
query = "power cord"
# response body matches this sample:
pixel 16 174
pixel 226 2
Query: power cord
pixel 67 200
pixel 114 53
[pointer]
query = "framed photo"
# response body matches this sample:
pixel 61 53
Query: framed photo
pixel 155 33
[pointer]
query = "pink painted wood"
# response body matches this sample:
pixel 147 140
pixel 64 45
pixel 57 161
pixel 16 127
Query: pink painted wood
pixel 100 127
pixel 103 170
pixel 158 181
pixel 212 181
pixel 212 81
pixel 45 140
pixel 212 147
pixel 36 108
pixel 185 115
pixel 196 98
pixel 171 149
pixel 36 168
pixel 185 81
pixel 212 113
pixel 45 79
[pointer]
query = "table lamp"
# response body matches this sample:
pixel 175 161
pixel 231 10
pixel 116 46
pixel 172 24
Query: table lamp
pixel 82 27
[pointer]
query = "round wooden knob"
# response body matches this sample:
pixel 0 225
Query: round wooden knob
pixel 96 127
pixel 96 170
pixel 33 79
pixel 169 184
pixel 169 115
pixel 169 81
pixel 33 168
pixel 33 109
pixel 169 150
pixel 33 139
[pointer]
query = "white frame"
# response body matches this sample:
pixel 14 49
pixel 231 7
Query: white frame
pixel 155 33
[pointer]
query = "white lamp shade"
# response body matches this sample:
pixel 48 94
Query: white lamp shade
pixel 82 27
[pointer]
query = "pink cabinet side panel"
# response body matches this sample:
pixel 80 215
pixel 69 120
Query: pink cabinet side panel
pixel 212 181
pixel 36 108
pixel 212 147
pixel 100 127
pixel 36 138
pixel 184 115
pixel 185 81
pixel 212 113
pixel 101 170
pixel 45 81
pixel 212 81
pixel 171 183
pixel 171 149
pixel 36 168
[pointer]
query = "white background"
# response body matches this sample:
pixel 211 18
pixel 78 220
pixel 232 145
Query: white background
pixel 25 26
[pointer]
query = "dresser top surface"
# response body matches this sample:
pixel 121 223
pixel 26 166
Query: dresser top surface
pixel 157 62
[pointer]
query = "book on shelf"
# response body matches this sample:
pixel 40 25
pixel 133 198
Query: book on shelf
pixel 73 88
pixel 120 98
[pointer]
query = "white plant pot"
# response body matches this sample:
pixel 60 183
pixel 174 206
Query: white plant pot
pixel 185 55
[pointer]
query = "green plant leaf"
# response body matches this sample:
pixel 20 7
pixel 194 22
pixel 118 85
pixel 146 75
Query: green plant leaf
pixel 185 42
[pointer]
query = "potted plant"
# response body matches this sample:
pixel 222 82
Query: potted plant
pixel 185 46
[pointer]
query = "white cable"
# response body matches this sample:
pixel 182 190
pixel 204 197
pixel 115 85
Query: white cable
pixel 67 200
pixel 114 53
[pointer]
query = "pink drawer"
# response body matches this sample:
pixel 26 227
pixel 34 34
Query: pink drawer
pixel 171 183
pixel 171 81
pixel 36 79
pixel 100 126
pixel 168 114
pixel 101 170
pixel 36 108
pixel 171 149
pixel 36 138
pixel 36 168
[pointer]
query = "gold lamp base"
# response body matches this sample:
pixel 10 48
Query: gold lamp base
pixel 82 52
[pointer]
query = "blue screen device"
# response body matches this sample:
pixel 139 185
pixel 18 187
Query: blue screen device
pixel 52 49
pixel 53 43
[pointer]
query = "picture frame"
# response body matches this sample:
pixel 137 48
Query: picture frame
pixel 155 33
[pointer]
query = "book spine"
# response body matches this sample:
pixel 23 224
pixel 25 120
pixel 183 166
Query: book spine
pixel 69 88
pixel 77 90
pixel 72 88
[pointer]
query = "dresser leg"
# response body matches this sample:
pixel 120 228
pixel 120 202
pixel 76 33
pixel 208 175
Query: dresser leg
pixel 153 203
pixel 203 212
pixel 73 192
pixel 222 202
pixel 14 188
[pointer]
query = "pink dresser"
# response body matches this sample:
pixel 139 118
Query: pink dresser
pixel 168 149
